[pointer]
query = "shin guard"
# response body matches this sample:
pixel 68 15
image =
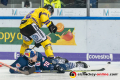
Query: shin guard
pixel 48 49
pixel 24 46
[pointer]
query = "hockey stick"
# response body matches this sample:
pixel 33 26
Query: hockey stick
pixel 11 67
pixel 102 69
pixel 55 71
pixel 50 32
pixel 107 64
pixel 23 72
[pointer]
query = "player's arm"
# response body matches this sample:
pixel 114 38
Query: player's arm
pixel 30 68
pixel 45 19
pixel 22 65
pixel 17 64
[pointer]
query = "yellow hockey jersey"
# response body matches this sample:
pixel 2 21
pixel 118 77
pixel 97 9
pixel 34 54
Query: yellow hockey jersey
pixel 39 16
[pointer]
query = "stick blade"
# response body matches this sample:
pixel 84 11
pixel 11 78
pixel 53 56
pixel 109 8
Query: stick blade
pixel 102 69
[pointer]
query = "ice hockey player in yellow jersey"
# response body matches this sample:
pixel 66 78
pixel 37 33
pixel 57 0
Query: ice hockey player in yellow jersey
pixel 30 29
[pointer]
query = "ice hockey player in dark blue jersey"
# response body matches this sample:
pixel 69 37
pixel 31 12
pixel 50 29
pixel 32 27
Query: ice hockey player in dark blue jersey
pixel 35 59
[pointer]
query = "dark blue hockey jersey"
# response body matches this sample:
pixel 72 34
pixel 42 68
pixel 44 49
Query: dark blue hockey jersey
pixel 43 63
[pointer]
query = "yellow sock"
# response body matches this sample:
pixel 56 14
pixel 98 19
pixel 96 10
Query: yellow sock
pixel 23 48
pixel 47 47
pixel 49 51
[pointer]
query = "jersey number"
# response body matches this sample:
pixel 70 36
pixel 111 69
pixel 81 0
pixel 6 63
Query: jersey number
pixel 29 15
pixel 46 64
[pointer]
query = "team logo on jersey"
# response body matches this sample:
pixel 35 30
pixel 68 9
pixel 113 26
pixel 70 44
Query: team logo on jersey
pixel 35 37
pixel 18 65
pixel 43 59
pixel 27 54
pixel 37 63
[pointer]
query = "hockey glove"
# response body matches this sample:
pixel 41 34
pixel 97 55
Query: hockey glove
pixel 52 28
pixel 26 68
pixel 37 45
pixel 59 69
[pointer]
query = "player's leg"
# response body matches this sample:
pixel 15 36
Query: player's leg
pixel 24 46
pixel 48 48
pixel 40 38
pixel 61 60
pixel 72 65
pixel 64 63
pixel 19 63
pixel 81 64
pixel 26 32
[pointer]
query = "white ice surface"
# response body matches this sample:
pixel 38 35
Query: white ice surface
pixel 114 67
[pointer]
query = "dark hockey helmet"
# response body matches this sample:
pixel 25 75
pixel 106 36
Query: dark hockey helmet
pixel 49 8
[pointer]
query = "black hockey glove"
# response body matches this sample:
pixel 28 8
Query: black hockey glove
pixel 37 45
pixel 28 70
pixel 52 28
pixel 59 69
